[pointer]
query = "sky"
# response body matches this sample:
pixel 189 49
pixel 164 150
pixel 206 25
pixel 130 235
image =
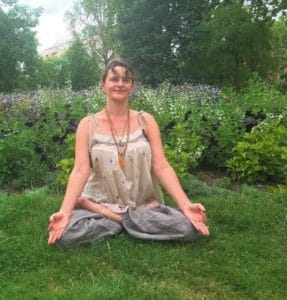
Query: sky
pixel 51 29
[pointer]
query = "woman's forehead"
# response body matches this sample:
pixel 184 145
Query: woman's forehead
pixel 119 70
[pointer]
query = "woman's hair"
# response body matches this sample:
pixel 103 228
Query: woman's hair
pixel 118 63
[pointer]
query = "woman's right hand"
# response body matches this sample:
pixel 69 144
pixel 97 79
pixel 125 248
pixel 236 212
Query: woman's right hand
pixel 57 225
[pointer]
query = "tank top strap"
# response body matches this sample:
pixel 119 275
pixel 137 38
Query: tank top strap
pixel 142 121
pixel 92 125
pixel 90 129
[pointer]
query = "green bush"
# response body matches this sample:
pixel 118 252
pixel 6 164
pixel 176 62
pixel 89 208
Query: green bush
pixel 259 97
pixel 262 154
pixel 183 149
pixel 33 130
pixel 21 165
pixel 199 125
pixel 221 129
pixel 65 165
pixel 235 114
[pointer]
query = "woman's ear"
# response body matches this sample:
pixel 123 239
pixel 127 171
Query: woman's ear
pixel 101 84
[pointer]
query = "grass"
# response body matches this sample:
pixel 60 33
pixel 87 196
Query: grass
pixel 244 258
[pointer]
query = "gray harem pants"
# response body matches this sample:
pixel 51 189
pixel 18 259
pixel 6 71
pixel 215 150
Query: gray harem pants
pixel 159 223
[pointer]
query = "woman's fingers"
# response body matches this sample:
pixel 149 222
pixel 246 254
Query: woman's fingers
pixel 55 235
pixel 201 207
pixel 56 227
pixel 52 218
pixel 51 237
pixel 201 227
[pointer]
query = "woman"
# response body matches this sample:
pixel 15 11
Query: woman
pixel 119 160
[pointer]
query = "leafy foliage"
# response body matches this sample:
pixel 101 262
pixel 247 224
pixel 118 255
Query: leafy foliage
pixel 18 47
pixel 94 23
pixel 83 69
pixel 230 46
pixel 214 42
pixel 200 125
pixel 266 10
pixel 32 137
pixel 183 150
pixel 154 34
pixel 262 154
pixel 65 165
pixel 279 52
pixel 54 72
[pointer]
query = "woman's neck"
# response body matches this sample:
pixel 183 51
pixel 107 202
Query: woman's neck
pixel 117 110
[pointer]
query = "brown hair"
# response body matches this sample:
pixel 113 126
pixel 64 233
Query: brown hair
pixel 115 63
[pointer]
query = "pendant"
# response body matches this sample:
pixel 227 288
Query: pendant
pixel 122 161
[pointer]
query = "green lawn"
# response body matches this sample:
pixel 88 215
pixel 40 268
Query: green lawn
pixel 244 258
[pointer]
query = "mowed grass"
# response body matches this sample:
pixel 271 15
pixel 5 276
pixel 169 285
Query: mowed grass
pixel 244 258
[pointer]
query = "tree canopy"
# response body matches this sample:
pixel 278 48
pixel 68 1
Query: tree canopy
pixel 18 46
pixel 83 70
pixel 94 22
pixel 220 42
pixel 230 46
pixel 212 41
pixel 154 35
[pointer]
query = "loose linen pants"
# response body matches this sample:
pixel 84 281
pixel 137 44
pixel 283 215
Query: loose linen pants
pixel 159 223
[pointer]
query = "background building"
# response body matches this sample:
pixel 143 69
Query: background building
pixel 57 49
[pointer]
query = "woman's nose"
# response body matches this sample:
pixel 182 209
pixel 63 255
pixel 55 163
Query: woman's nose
pixel 120 81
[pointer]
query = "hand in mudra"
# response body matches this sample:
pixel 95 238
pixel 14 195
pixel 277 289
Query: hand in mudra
pixel 57 225
pixel 195 213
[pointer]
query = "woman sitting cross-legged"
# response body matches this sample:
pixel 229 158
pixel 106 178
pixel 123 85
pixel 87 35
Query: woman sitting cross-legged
pixel 119 160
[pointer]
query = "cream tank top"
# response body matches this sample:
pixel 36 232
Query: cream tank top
pixel 135 185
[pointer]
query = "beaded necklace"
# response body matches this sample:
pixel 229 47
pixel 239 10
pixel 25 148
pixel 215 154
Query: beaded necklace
pixel 120 144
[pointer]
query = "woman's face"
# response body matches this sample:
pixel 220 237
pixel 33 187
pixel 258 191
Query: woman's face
pixel 118 84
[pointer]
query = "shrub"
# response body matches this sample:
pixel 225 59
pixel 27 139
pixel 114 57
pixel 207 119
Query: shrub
pixel 33 130
pixel 221 129
pixel 21 165
pixel 259 97
pixel 199 125
pixel 65 165
pixel 262 154
pixel 183 149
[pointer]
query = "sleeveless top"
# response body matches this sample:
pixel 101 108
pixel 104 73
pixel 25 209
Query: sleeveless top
pixel 135 185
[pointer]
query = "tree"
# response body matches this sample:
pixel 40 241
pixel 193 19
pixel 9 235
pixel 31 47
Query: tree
pixel 146 41
pixel 94 23
pixel 54 72
pixel 18 46
pixel 261 10
pixel 83 70
pixel 231 46
pixel 279 51
pixel 266 10
pixel 154 34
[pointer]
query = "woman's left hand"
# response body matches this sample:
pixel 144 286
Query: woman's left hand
pixel 195 213
pixel 57 225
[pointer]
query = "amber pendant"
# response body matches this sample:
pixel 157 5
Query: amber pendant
pixel 122 161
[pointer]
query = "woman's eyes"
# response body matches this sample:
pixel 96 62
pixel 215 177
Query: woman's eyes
pixel 125 79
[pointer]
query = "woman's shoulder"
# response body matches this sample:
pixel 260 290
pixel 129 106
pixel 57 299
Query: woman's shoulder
pixel 142 116
pixel 85 119
pixel 91 118
pixel 89 121
pixel 83 125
